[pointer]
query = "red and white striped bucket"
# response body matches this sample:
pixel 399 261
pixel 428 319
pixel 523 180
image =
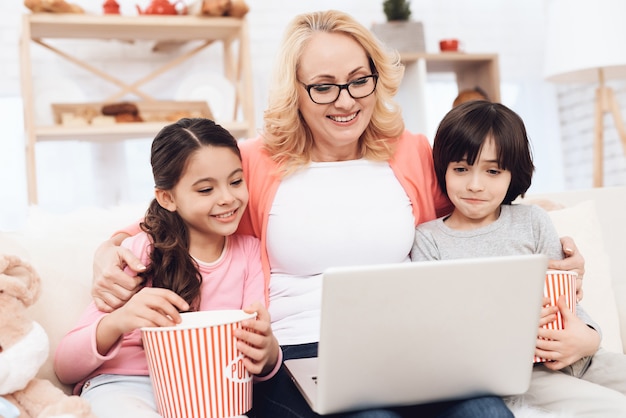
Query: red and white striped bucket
pixel 195 367
pixel 559 283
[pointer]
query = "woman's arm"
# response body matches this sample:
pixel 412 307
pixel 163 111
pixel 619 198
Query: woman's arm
pixel 573 261
pixel 112 287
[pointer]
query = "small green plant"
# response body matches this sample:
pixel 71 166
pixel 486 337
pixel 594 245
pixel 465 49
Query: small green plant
pixel 397 9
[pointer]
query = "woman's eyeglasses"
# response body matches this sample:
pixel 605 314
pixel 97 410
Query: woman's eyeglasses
pixel 326 93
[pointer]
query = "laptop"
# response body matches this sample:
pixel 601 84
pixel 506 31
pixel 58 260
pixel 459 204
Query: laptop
pixel 411 333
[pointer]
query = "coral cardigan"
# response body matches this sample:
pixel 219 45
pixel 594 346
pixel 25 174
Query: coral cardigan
pixel 412 164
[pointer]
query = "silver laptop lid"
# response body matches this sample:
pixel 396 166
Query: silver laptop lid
pixel 421 332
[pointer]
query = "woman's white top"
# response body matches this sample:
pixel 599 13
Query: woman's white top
pixel 330 214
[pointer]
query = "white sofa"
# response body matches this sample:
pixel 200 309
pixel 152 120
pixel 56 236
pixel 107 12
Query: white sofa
pixel 61 248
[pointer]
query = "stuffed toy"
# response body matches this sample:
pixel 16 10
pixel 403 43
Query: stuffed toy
pixel 238 8
pixel 24 347
pixel 52 6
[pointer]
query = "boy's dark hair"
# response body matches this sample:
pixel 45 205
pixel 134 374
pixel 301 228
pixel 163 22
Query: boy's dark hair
pixel 464 130
pixel 171 266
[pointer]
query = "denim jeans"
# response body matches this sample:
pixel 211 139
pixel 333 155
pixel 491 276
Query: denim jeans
pixel 280 398
pixel 120 396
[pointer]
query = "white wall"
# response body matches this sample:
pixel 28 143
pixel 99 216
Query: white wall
pixel 513 29
pixel 576 108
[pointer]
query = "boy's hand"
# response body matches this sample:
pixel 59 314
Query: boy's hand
pixel 564 347
pixel 548 312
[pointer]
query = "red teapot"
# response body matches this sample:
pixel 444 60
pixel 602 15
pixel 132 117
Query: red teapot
pixel 163 7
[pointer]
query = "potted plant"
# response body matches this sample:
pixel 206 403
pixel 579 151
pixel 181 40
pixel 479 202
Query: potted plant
pixel 397 10
pixel 399 32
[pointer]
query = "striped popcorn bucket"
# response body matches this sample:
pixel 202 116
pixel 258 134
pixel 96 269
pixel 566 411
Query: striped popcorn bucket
pixel 559 283
pixel 195 367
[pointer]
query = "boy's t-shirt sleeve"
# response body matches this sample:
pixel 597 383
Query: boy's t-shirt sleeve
pixel 547 237
pixel 424 245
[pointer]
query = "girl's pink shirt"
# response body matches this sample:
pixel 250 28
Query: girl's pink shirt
pixel 232 282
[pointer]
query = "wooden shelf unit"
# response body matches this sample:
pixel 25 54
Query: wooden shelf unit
pixel 37 28
pixel 471 70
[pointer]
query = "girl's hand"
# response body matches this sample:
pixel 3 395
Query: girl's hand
pixel 257 342
pixel 566 346
pixel 573 261
pixel 112 287
pixel 548 312
pixel 150 307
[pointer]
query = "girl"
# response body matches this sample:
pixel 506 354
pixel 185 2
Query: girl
pixel 483 162
pixel 194 262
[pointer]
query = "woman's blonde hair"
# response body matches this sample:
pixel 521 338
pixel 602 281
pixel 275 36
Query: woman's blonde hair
pixel 287 137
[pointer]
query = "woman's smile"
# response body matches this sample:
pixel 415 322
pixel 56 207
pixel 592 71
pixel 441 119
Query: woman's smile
pixel 343 119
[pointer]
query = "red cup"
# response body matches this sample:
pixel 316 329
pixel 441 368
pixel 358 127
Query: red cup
pixel 449 45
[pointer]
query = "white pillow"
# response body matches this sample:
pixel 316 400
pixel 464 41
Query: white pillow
pixel 10 246
pixel 581 223
pixel 61 248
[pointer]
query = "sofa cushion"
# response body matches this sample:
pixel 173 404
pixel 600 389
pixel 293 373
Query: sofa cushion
pixel 9 244
pixel 60 246
pixel 581 222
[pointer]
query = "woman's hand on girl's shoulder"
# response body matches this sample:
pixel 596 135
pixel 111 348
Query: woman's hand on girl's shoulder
pixel 112 287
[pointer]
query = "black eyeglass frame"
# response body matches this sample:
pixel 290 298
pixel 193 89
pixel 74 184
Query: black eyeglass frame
pixel 345 86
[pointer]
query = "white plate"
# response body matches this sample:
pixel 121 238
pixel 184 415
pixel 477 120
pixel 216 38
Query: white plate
pixel 214 88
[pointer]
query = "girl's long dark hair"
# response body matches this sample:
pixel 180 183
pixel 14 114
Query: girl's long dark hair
pixel 171 266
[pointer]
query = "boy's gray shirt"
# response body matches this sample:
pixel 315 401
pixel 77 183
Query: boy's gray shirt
pixel 520 229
